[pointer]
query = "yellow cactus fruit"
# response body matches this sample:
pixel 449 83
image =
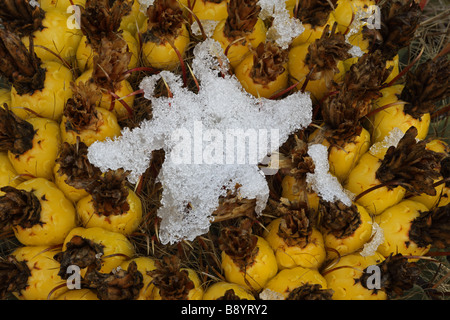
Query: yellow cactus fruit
pixel 397 223
pixel 107 250
pixel 342 277
pixel 240 30
pixel 107 101
pixel 43 281
pixel 163 34
pixel 73 172
pixel 345 229
pixel 78 294
pixel 286 281
pixel 8 175
pixel 56 35
pixel 173 282
pixel 291 191
pixel 144 266
pixel 264 72
pixel 48 102
pixel 84 120
pixel 51 215
pixel 120 213
pixel 41 141
pixel 363 176
pixel 85 54
pixel 134 20
pixel 223 290
pixel 247 259
pixel 305 249
pixel 211 10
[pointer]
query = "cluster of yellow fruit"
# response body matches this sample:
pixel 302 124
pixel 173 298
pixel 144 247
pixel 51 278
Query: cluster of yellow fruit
pixel 70 88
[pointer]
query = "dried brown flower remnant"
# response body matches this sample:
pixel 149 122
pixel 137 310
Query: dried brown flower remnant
pixel 16 135
pixel 343 111
pixel 111 64
pixel 325 53
pixel 19 208
pixel 73 162
pixel 18 65
pixel 172 281
pixel 242 17
pixel 165 18
pixel 397 275
pixel 428 84
pixel 118 285
pixel 296 225
pixel 20 17
pixel 109 193
pixel 269 61
pixel 100 19
pixel 339 219
pixel 314 12
pixel 13 276
pixel 298 163
pixel 81 252
pixel 432 228
pixel 80 110
pixel 239 243
pixel 399 22
pixel 410 165
pixel 310 291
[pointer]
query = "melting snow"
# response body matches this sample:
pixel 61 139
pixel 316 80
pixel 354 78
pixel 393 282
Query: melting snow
pixel 198 132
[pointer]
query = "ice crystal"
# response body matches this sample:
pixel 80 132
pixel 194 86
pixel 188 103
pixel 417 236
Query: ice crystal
pixel 268 294
pixel 208 27
pixel 322 181
pixel 392 139
pixel 34 3
pixel 214 141
pixel 144 4
pixel 377 238
pixel 283 28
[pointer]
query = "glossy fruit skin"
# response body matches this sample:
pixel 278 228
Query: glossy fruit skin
pixel 125 223
pixel 218 289
pixel 78 294
pixel 287 280
pixel 243 71
pixel 206 10
pixel 362 177
pixel 56 36
pixel 396 224
pixel 384 121
pixel 133 21
pixel 44 273
pixel 342 278
pixel 162 55
pixel 8 175
pixel 353 242
pixel 144 265
pixel 195 293
pixel 85 54
pixel 38 162
pixel 257 273
pixel 58 215
pixel 113 244
pixel 48 102
pixel 124 89
pixel 311 256
pixel 238 51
